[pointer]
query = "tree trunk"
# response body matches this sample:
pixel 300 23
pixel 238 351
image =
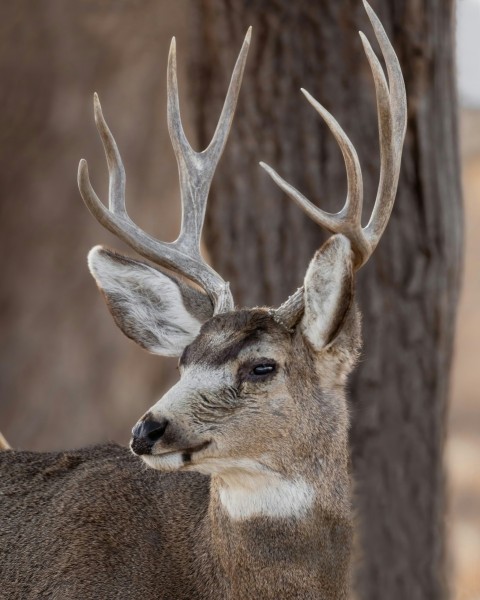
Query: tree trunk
pixel 408 291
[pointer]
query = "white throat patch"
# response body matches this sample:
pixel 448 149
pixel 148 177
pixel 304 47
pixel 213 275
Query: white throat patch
pixel 267 495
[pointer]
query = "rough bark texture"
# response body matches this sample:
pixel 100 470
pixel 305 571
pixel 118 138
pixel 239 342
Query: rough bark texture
pixel 408 291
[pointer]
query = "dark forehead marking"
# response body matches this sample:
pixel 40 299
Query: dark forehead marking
pixel 222 337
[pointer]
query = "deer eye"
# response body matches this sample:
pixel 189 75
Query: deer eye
pixel 263 368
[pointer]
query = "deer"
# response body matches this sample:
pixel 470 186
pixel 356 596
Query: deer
pixel 236 484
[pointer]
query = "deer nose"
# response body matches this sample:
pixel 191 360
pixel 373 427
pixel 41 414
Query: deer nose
pixel 145 433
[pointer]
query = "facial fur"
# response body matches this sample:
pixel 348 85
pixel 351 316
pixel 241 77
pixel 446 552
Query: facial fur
pixel 245 372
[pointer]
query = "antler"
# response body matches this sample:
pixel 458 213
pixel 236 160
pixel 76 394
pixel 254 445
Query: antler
pixel 392 120
pixel 196 170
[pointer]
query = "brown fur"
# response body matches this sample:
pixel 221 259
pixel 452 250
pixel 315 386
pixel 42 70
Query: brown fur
pixel 241 330
pixel 96 523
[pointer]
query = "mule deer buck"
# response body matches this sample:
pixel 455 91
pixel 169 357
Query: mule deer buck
pixel 249 492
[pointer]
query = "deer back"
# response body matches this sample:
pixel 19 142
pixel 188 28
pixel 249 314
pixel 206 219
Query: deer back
pixel 93 524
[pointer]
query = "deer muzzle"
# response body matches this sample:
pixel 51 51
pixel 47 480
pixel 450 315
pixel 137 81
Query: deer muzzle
pixel 146 433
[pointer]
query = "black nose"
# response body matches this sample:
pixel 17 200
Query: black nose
pixel 146 433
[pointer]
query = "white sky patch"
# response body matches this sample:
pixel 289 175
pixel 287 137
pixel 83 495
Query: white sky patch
pixel 468 52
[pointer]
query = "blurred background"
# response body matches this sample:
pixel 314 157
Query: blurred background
pixel 68 377
pixel 463 440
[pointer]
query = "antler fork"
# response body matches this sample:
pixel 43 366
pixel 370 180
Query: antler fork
pixel 392 120
pixel 196 170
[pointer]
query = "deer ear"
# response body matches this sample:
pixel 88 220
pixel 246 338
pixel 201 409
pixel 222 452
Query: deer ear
pixel 328 291
pixel 158 311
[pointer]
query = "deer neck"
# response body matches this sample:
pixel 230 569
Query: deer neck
pixel 284 536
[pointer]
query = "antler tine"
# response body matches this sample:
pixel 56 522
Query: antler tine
pixel 353 203
pixel 346 220
pixel 392 130
pixel 391 107
pixel 196 171
pixel 116 170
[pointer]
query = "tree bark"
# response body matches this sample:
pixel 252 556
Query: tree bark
pixel 407 292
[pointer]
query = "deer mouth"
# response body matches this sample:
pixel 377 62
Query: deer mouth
pixel 187 454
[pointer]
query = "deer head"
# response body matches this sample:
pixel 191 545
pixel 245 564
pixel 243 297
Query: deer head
pixel 258 387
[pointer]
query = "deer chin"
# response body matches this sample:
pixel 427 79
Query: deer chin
pixel 164 462
pixel 174 460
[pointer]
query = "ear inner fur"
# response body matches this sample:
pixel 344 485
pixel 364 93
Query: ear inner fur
pixel 153 308
pixel 328 291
